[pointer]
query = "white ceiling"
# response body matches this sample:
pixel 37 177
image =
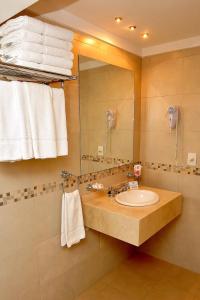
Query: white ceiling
pixel 166 20
pixel 172 24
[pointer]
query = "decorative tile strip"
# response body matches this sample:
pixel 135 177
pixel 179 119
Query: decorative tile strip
pixel 35 191
pixel 187 170
pixel 105 173
pixel 107 160
pixel 72 181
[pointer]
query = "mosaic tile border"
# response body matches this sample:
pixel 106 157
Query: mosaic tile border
pixel 72 181
pixel 35 191
pixel 103 159
pixel 187 170
pixel 105 173
pixel 39 190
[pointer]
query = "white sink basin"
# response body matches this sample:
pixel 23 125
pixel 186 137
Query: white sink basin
pixel 137 198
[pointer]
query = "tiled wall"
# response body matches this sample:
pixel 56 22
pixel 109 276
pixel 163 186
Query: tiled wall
pixel 173 78
pixel 33 266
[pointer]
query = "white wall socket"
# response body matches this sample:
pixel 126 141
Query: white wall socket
pixel 100 151
pixel 192 159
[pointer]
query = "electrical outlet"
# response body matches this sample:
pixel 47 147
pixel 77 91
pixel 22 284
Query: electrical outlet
pixel 192 159
pixel 100 151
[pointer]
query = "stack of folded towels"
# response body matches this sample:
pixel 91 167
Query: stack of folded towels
pixel 32 43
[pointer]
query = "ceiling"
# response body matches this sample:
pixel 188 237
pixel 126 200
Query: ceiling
pixel 167 21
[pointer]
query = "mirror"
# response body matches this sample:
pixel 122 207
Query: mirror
pixel 106 115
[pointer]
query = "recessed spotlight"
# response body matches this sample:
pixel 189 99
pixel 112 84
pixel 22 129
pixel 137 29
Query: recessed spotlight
pixel 145 35
pixel 118 19
pixel 132 28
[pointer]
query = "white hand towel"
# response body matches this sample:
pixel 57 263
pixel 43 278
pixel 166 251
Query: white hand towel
pixel 57 61
pixel 15 136
pixel 72 226
pixel 23 22
pixel 18 36
pixel 13 55
pixel 42 121
pixel 60 121
pixel 32 24
pixel 38 48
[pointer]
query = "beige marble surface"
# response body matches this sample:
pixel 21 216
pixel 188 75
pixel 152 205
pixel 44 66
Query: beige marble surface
pixel 130 224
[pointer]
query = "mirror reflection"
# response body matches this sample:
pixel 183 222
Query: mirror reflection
pixel 106 115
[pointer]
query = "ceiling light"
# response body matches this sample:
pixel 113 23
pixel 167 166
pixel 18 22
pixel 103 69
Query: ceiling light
pixel 145 35
pixel 118 19
pixel 132 28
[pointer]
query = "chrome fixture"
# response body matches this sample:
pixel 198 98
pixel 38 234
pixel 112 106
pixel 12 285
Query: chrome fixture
pixel 65 174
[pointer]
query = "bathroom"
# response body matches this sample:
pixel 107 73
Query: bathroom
pixel 128 113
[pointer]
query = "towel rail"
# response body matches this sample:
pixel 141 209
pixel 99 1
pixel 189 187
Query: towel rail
pixel 20 73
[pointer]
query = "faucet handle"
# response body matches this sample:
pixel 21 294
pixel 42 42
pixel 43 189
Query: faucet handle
pixel 129 175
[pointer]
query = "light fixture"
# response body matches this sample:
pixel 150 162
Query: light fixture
pixel 145 35
pixel 89 41
pixel 132 27
pixel 118 19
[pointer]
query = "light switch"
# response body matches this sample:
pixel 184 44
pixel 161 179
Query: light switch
pixel 100 150
pixel 192 159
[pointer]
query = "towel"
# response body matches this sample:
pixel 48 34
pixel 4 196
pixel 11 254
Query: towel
pixel 38 48
pixel 41 117
pixel 34 25
pixel 21 35
pixel 72 227
pixel 13 55
pixel 15 135
pixel 60 121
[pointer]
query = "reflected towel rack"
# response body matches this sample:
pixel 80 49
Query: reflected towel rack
pixel 65 175
pixel 20 73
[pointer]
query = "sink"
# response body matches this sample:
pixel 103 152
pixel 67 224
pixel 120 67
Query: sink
pixel 137 198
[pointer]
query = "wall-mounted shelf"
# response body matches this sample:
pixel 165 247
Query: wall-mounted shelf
pixel 15 72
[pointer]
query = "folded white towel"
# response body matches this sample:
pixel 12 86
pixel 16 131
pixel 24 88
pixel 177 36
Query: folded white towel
pixel 42 67
pixel 72 227
pixel 14 54
pixel 56 70
pixel 42 122
pixel 15 135
pixel 34 25
pixel 60 121
pixel 21 35
pixel 38 48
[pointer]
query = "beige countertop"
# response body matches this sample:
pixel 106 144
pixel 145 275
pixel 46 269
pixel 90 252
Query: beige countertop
pixel 130 224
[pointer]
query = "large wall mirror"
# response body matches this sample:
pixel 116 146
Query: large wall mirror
pixel 106 115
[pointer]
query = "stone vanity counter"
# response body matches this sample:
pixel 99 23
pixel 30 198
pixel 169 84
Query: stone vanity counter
pixel 133 225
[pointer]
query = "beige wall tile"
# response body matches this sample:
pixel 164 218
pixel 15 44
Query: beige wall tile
pixel 162 77
pixel 191 74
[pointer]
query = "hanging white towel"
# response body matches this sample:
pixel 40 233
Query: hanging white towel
pixel 32 24
pixel 60 121
pixel 42 122
pixel 72 226
pixel 15 135
pixel 18 36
